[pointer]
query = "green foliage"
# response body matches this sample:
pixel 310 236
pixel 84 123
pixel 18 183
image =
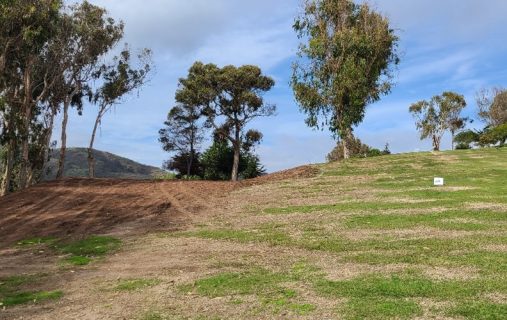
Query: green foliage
pixel 466 139
pixel 356 149
pixel 346 63
pixel 218 159
pixel 166 176
pixel 494 136
pixel 185 165
pixel 183 133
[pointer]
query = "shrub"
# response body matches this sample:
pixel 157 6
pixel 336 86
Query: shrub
pixel 357 149
pixel 466 139
pixel 494 136
pixel 218 159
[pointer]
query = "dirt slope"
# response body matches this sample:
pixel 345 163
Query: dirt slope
pixel 79 207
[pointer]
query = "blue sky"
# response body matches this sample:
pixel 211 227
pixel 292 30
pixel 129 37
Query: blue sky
pixel 456 45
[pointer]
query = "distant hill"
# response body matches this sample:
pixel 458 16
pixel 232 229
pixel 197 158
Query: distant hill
pixel 107 165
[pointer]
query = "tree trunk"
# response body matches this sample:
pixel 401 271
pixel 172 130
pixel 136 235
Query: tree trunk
pixel 345 143
pixel 452 140
pixel 63 147
pixel 436 143
pixel 190 159
pixel 29 179
pixel 189 163
pixel 25 132
pixel 346 154
pixel 47 145
pixel 9 162
pixel 91 159
pixel 235 165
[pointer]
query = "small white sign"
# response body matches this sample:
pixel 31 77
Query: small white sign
pixel 438 181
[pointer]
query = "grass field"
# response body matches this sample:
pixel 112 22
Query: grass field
pixel 372 238
pixel 365 239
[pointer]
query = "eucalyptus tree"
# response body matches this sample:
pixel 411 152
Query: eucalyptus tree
pixel 183 133
pixel 346 61
pixel 89 34
pixel 231 97
pixel 436 116
pixel 118 79
pixel 492 105
pixel 28 70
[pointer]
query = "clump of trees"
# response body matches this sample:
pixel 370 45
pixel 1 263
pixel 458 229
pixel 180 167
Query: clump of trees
pixel 52 58
pixel 346 61
pixel 224 100
pixel 492 106
pixel 440 114
pixel 357 149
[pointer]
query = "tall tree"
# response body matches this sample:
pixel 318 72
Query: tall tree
pixel 27 71
pixel 435 117
pixel 183 133
pixel 231 97
pixel 345 62
pixel 119 79
pixel 492 105
pixel 89 34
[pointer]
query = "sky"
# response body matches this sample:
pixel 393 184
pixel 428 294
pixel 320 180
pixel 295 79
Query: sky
pixel 445 45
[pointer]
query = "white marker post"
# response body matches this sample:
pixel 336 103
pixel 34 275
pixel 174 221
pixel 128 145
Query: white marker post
pixel 438 182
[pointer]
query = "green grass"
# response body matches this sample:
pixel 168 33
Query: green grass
pixel 135 284
pixel 380 308
pixel 480 310
pixel 82 252
pixel 226 284
pixel 13 292
pixel 401 220
pixel 36 241
pixel 33 297
pixel 267 286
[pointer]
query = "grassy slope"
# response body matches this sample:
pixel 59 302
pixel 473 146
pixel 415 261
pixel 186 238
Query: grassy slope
pixel 366 239
pixel 400 247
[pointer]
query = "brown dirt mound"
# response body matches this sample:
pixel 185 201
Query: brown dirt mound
pixel 79 207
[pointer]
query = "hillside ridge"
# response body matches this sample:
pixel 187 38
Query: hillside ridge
pixel 107 165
